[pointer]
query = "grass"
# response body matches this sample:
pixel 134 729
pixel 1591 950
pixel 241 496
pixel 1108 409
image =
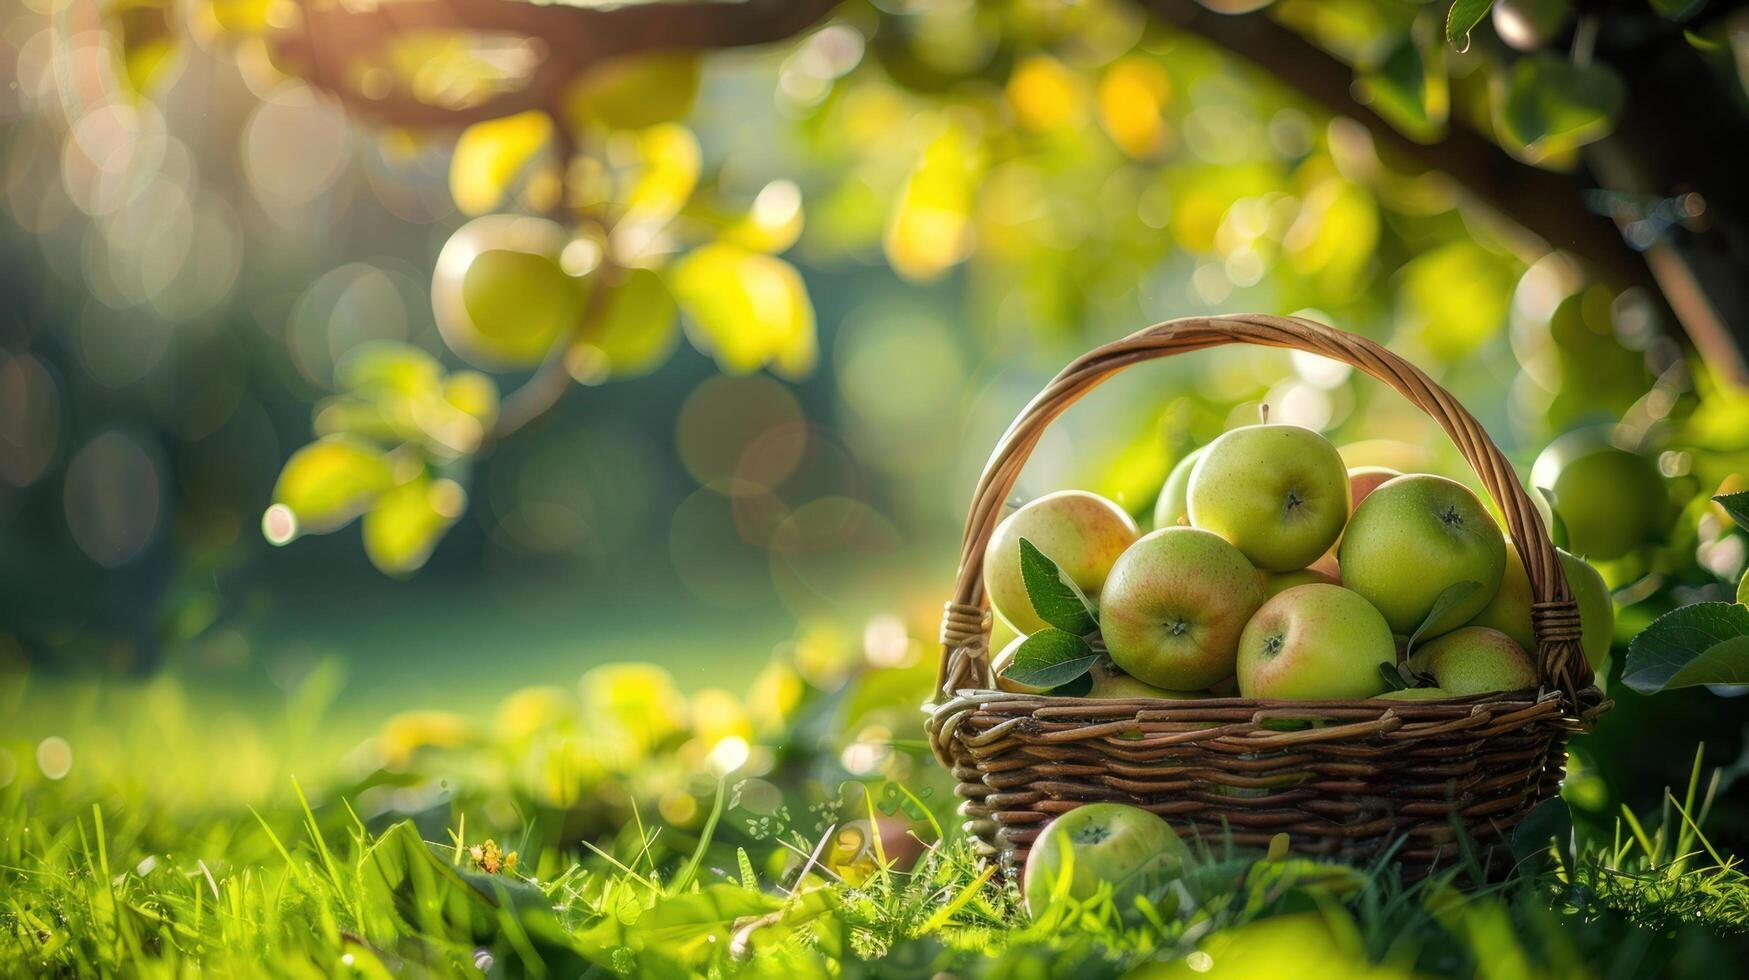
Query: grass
pixel 585 834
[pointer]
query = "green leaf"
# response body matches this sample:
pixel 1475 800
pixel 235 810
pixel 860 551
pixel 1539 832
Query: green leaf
pixel 1743 590
pixel 746 309
pixel 1409 87
pixel 1393 677
pixel 1462 19
pixel 1447 600
pixel 329 482
pixel 1050 658
pixel 406 522
pixel 1055 597
pixel 1705 643
pixel 636 331
pixel 1676 10
pixel 1548 825
pixel 489 155
pixel 1551 107
pixel 1736 505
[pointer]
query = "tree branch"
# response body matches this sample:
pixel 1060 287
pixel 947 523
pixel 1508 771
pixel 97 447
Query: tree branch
pixel 1547 204
pixel 574 39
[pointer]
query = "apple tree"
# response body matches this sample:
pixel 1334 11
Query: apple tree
pixel 1438 171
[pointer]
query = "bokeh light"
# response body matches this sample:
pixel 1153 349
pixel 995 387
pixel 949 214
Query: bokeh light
pixel 114 497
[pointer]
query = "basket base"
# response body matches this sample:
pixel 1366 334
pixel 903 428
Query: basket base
pixel 1430 786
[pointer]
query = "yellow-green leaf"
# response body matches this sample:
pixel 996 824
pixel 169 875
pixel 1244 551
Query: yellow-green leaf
pixel 1455 298
pixel 930 228
pixel 746 309
pixel 148 47
pixel 637 330
pixel 388 367
pixel 405 523
pixel 671 162
pixel 328 483
pixel 490 154
pixel 473 393
pixel 773 223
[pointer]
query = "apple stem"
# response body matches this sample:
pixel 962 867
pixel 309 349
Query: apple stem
pixel 1263 410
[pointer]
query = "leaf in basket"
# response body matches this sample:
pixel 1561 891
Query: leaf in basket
pixel 1452 597
pixel 1736 505
pixel 1050 658
pixel 1393 677
pixel 1055 597
pixel 1706 643
pixel 1080 687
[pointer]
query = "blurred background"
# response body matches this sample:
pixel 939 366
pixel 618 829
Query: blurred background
pixel 364 383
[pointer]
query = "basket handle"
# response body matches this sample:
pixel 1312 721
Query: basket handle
pixel 1561 663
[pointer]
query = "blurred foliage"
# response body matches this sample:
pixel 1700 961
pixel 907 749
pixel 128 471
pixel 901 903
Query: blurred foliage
pixel 1094 169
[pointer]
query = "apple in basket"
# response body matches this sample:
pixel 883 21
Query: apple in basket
pixel 1279 493
pixel 1174 605
pixel 1127 848
pixel 1315 641
pixel 1475 660
pixel 1509 610
pixel 1412 539
pixel 1083 533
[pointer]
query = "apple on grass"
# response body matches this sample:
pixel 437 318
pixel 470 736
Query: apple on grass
pixel 1082 532
pixel 1509 610
pixel 1315 642
pixel 1170 507
pixel 1413 538
pixel 1094 844
pixel 1279 493
pixel 1174 605
pixel 1475 660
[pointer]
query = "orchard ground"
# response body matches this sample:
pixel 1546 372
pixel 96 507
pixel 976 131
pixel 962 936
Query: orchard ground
pixel 623 826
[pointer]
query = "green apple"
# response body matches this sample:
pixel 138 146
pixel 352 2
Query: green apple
pixel 1509 610
pixel 1278 492
pixel 1111 683
pixel 1001 663
pixel 1414 537
pixel 1315 642
pixel 1170 507
pixel 1612 501
pixel 1275 583
pixel 1099 843
pixel 1174 605
pixel 1082 532
pixel 1475 660
pixel 1417 694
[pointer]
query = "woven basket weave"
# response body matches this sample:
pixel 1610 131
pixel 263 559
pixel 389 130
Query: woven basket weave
pixel 1370 776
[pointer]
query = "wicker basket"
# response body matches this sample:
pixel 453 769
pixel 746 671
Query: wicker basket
pixel 1371 776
